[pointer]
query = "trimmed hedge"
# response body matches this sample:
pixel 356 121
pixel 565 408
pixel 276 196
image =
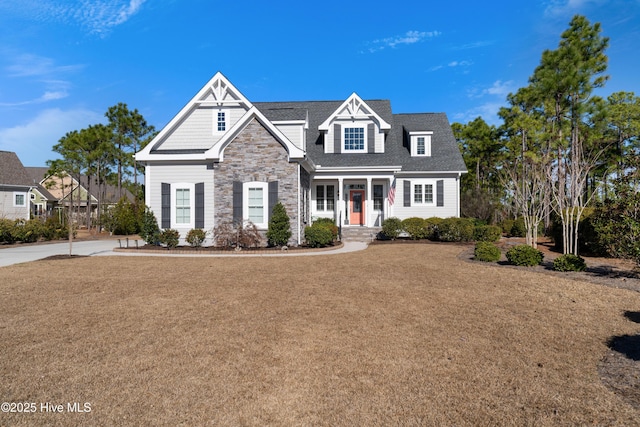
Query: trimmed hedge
pixel 487 252
pixel 569 262
pixel 456 230
pixel 392 227
pixel 318 235
pixel 524 255
pixel 487 233
pixel 415 227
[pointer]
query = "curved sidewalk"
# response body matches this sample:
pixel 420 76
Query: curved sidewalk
pixel 27 253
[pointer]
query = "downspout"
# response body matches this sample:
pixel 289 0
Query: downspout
pixel 299 202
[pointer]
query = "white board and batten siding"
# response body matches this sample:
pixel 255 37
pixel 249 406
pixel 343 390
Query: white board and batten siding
pixel 197 131
pixel 450 206
pixel 177 175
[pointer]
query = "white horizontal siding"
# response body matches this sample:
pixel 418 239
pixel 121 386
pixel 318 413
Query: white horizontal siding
pixel 294 132
pixel 173 174
pixel 450 208
pixel 196 131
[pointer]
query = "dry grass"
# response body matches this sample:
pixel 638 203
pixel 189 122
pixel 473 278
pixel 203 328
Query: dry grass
pixel 394 335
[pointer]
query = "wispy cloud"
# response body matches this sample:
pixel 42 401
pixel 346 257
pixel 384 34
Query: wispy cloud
pixel 97 17
pixel 563 8
pixel 43 72
pixel 452 64
pixel 410 37
pixel 26 65
pixel 490 100
pixel 43 131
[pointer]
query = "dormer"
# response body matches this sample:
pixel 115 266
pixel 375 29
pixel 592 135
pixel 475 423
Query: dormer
pixel 420 143
pixel 354 127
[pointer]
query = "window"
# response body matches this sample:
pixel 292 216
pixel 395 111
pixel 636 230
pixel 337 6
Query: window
pixel 378 197
pixel 220 120
pixel 354 139
pixel 325 200
pixel 421 144
pixel 422 194
pixel 183 206
pixel 255 203
pixel 19 199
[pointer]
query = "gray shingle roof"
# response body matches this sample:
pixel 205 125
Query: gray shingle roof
pixel 445 154
pixel 12 172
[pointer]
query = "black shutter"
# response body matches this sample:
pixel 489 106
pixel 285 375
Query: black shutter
pixel 337 139
pixel 371 138
pixel 237 202
pixel 440 192
pixel 407 193
pixel 166 205
pixel 200 205
pixel 273 197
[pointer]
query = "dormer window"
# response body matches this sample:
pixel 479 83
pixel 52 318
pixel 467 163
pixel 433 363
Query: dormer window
pixel 421 144
pixel 353 139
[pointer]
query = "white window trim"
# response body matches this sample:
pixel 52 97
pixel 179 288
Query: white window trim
pixel 227 125
pixel 265 202
pixel 192 208
pixel 325 198
pixel 427 143
pixel 24 198
pixel 345 126
pixel 423 182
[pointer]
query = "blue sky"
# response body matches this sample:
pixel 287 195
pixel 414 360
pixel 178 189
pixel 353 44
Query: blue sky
pixel 63 63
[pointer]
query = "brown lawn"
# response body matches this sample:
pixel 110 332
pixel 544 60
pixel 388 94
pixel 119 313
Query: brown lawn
pixel 394 335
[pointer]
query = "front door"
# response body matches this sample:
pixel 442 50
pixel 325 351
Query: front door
pixel 356 205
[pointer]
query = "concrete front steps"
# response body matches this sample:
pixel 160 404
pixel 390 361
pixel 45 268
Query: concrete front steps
pixel 359 234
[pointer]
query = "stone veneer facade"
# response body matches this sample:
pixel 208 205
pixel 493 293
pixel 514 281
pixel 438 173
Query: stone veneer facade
pixel 255 155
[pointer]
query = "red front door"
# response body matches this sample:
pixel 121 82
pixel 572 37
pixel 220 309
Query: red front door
pixel 356 207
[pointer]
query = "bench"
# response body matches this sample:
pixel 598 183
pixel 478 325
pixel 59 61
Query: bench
pixel 124 243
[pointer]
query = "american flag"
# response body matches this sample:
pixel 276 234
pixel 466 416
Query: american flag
pixel 392 192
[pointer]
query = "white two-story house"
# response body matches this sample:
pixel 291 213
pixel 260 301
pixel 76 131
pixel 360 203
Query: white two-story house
pixel 223 158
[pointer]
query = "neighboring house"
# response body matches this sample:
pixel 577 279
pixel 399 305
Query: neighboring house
pixel 52 194
pixel 14 187
pixel 224 158
pixel 43 203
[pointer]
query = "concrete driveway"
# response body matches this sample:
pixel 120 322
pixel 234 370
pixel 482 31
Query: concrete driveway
pixel 25 253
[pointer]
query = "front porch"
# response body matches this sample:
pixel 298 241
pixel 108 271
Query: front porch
pixel 353 202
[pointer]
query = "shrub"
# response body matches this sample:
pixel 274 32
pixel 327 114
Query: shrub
pixel 506 226
pixel 237 235
pixel 318 235
pixel 486 251
pixel 123 218
pixel 149 230
pixel 456 230
pixel 518 229
pixel 431 227
pixel 415 227
pixel 170 237
pixel 392 227
pixel 328 223
pixel 569 262
pixel 279 231
pixel 6 231
pixel 487 233
pixel 524 255
pixel 195 237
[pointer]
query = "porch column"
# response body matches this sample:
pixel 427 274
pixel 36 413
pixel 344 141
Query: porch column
pixel 341 204
pixel 369 204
